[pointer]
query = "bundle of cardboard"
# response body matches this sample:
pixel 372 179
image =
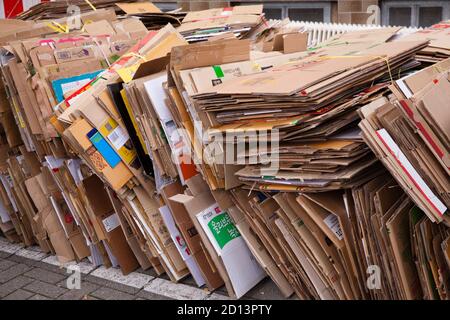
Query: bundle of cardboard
pixel 438 48
pixel 150 15
pixel 318 245
pixel 61 215
pixel 81 141
pixel 409 133
pixel 238 21
pixel 62 15
pixel 311 103
pixel 52 10
pixel 229 160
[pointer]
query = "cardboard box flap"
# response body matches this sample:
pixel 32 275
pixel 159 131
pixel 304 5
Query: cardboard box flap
pixel 101 27
pixel 98 197
pixel 129 26
pixel 287 42
pixel 197 185
pixel 223 12
pixel 151 67
pixel 181 198
pixel 138 7
pixel 210 53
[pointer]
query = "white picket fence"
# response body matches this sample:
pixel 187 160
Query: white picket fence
pixel 320 31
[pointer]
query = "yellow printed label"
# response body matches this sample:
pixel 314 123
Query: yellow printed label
pixel 118 139
pixel 160 50
pixel 127 73
pixel 19 115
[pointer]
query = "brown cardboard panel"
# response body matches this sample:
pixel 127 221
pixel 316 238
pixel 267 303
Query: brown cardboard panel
pixel 217 22
pixel 102 27
pixel 138 7
pixel 25 94
pixel 433 103
pixel 295 42
pixel 238 10
pixel 79 131
pixel 197 185
pixel 399 233
pixel 31 162
pixel 143 260
pixel 11 129
pixel 129 232
pixel 210 53
pixel 79 246
pixel 40 200
pixel 57 236
pixel 151 67
pixel 194 205
pixel 103 208
pixel 121 250
pixel 62 247
pixel 132 26
pixel 264 258
pixel 180 215
pixel 98 198
pixel 191 236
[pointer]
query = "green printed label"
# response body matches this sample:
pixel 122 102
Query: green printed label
pixel 223 229
pixel 219 72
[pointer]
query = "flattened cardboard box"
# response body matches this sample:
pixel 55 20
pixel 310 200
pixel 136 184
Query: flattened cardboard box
pixel 222 239
pixel 104 213
pixel 132 240
pixel 191 236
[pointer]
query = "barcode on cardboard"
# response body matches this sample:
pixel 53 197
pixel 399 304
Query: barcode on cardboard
pixel 111 222
pixel 192 232
pixel 118 137
pixel 64 55
pixel 113 136
pixel 332 222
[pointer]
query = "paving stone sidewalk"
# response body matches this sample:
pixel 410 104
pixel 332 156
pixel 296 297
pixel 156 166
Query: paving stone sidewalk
pixel 22 279
pixel 28 274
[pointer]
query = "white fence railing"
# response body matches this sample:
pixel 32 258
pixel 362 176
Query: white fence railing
pixel 320 31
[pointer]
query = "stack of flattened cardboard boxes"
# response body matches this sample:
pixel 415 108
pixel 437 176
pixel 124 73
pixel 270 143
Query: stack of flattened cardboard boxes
pixel 229 160
pixel 37 185
pixel 106 119
pixel 438 48
pixel 236 21
pixel 328 213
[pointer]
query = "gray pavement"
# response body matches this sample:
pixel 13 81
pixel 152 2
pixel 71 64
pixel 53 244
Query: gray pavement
pixel 27 274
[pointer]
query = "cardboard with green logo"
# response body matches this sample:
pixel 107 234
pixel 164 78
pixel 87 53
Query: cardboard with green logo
pixel 227 248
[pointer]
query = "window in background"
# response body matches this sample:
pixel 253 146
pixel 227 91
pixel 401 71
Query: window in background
pixel 166 6
pixel 319 11
pixel 306 14
pixel 429 16
pixel 414 13
pixel 399 16
pixel 273 13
